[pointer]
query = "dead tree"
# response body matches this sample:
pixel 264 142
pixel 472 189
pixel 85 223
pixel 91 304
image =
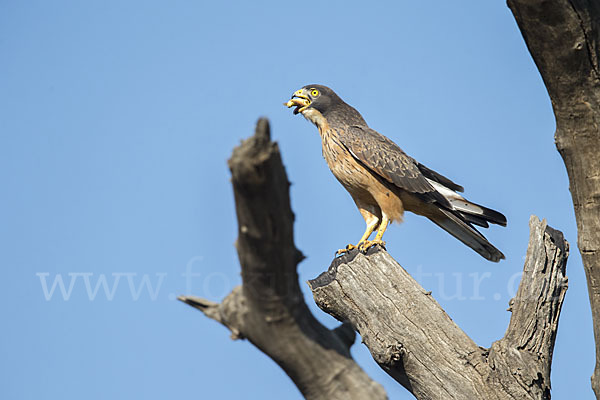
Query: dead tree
pixel 269 309
pixel 413 339
pixel 563 37
pixel 407 332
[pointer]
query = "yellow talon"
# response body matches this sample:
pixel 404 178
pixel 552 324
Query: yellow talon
pixel 346 250
pixel 367 244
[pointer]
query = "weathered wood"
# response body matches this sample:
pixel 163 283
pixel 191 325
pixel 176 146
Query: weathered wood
pixel 563 37
pixel 523 357
pixel 269 309
pixel 411 337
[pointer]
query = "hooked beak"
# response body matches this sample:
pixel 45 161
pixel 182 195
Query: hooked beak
pixel 300 100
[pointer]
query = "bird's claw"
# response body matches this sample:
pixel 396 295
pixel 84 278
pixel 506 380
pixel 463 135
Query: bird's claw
pixel 367 244
pixel 346 250
pixel 361 246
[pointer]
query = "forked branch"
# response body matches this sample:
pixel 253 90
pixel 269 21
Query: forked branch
pixel 412 338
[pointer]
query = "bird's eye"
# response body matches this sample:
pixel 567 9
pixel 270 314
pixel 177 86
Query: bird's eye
pixel 314 92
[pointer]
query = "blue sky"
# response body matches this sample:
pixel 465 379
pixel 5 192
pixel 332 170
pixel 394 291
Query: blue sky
pixel 116 122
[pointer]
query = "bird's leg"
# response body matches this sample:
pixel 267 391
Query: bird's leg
pixel 371 226
pixel 366 244
pixel 372 221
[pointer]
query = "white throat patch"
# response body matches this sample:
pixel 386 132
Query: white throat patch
pixel 315 117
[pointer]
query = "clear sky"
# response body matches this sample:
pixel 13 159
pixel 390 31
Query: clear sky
pixel 116 121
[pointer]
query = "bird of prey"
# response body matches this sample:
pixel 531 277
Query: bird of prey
pixel 384 181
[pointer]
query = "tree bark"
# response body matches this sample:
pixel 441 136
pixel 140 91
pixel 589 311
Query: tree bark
pixel 411 337
pixel 269 309
pixel 563 37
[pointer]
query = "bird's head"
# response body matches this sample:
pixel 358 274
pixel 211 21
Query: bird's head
pixel 316 97
pixel 321 106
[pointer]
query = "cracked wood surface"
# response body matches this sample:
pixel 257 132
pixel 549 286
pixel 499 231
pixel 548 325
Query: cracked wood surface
pixel 269 309
pixel 563 37
pixel 411 337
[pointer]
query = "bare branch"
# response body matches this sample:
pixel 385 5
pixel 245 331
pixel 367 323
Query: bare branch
pixel 415 341
pixel 269 309
pixel 524 355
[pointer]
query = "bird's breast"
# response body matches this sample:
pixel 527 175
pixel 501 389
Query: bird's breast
pixel 364 187
pixel 341 163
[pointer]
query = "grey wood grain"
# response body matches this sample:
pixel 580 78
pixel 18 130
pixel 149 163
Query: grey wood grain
pixel 413 339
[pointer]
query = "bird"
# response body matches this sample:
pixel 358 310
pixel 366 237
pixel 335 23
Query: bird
pixel 384 181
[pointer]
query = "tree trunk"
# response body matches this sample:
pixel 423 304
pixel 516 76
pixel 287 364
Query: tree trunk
pixel 415 341
pixel 269 309
pixel 563 37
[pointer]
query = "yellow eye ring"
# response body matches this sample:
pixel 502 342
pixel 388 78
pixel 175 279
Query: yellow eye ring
pixel 314 92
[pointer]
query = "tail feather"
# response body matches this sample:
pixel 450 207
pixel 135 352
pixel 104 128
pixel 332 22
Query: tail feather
pixel 466 233
pixel 473 209
pixel 472 212
pixel 473 219
pixel 461 213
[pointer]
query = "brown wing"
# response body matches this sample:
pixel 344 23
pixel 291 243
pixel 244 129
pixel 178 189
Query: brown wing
pixel 384 158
